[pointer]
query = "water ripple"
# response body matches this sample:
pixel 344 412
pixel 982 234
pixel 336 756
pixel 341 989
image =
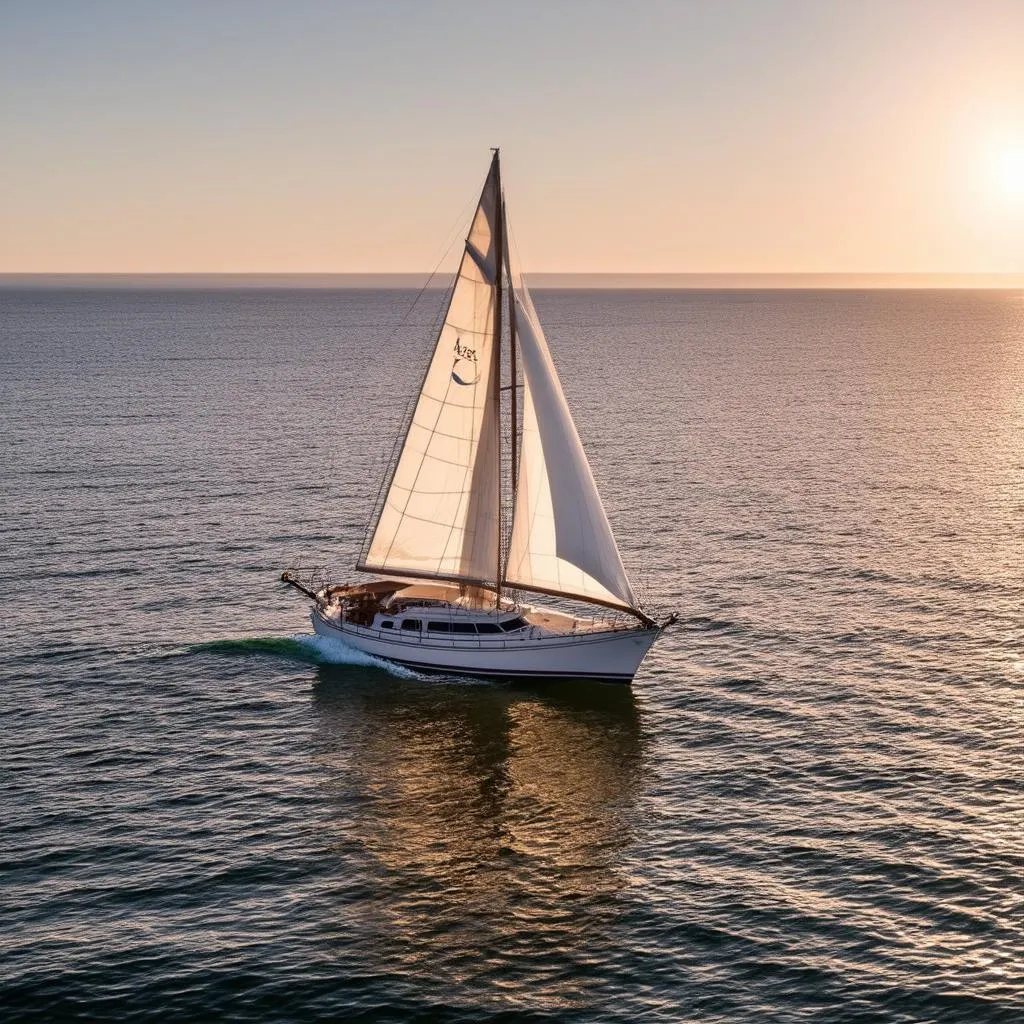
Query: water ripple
pixel 808 807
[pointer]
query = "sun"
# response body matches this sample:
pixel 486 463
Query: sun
pixel 1005 171
pixel 1009 173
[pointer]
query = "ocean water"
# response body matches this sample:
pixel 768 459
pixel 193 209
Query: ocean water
pixel 809 806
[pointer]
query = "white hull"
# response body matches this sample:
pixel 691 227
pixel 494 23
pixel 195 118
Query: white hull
pixel 612 655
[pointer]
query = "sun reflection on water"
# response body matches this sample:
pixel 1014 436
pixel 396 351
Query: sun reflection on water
pixel 480 815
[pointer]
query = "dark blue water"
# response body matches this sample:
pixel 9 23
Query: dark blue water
pixel 810 806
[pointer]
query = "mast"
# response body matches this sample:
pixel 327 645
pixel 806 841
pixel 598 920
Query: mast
pixel 512 385
pixel 499 249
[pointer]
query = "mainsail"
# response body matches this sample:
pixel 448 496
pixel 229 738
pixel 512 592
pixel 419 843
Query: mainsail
pixel 561 542
pixel 441 515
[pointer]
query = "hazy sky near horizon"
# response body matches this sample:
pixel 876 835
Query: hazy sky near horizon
pixel 774 136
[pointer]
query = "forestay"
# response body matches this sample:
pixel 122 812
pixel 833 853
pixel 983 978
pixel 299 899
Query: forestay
pixel 440 517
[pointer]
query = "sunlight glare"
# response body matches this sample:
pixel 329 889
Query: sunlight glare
pixel 1006 171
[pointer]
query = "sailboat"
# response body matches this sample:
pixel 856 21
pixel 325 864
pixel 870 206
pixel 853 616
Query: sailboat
pixel 450 572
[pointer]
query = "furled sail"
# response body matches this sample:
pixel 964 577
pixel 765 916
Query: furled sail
pixel 440 517
pixel 561 540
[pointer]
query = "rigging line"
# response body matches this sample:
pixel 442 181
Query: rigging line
pixel 489 408
pixel 412 404
pixel 371 531
pixel 514 246
pixel 469 470
pixel 426 448
pixel 513 385
pixel 431 430
pixel 406 422
pixel 452 236
pixel 586 528
pixel 396 327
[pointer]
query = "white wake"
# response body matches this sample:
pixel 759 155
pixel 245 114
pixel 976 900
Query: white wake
pixel 337 652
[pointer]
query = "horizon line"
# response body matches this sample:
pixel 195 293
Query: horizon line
pixel 610 280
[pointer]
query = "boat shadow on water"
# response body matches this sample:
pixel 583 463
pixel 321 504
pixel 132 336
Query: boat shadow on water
pixel 473 811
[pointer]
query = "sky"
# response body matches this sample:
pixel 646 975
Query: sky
pixel 771 136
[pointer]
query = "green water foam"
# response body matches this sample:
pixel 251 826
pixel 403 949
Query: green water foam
pixel 291 648
pixel 309 649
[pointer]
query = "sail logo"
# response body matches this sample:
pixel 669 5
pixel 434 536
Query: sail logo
pixel 465 370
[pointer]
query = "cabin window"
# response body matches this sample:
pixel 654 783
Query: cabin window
pixel 412 624
pixel 387 624
pixel 511 625
pixel 438 627
pixel 488 627
pixel 463 627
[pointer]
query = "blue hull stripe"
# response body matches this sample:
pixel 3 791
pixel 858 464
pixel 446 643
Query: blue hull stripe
pixel 441 670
